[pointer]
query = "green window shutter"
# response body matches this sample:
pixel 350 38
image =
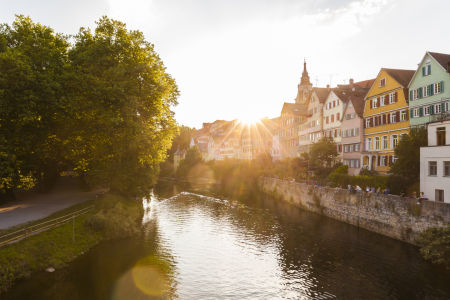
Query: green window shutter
pixel 442 106
pixel 429 69
pixel 421 112
pixel 442 86
pixel 431 109
pixel 420 93
pixel 423 71
pixel 431 89
pixel 410 95
pixel 411 112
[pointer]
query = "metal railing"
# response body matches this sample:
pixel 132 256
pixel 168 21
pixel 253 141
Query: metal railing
pixel 440 117
pixel 29 230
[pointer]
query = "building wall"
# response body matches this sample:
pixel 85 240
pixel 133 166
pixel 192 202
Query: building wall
pixel 429 184
pixel 333 128
pixel 389 129
pixel 349 124
pixel 437 74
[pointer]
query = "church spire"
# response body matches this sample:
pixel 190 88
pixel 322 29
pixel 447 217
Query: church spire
pixel 305 77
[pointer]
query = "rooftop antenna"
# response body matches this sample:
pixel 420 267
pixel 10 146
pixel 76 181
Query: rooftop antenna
pixel 331 76
pixel 345 80
pixel 316 80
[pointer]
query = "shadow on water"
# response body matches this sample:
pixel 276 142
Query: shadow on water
pixel 204 244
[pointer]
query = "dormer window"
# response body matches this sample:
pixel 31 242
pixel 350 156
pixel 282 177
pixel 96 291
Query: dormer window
pixel 382 82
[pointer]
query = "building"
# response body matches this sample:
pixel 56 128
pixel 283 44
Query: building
pixel 429 89
pixel 435 161
pixel 386 117
pixel 352 134
pixel 177 157
pixel 291 115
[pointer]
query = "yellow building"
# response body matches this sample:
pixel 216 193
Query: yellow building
pixel 177 157
pixel 386 117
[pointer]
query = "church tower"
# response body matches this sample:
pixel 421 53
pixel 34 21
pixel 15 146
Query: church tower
pixel 305 86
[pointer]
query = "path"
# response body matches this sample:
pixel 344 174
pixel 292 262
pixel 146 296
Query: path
pixel 30 206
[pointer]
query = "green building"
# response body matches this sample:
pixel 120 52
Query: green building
pixel 429 89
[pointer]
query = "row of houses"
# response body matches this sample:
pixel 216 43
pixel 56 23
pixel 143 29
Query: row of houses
pixel 366 120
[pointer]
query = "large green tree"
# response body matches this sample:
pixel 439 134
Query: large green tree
pixel 33 102
pixel 122 118
pixel 323 152
pixel 407 151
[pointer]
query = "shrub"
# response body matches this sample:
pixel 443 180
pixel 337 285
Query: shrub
pixel 436 245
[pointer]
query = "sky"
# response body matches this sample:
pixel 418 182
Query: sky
pixel 244 59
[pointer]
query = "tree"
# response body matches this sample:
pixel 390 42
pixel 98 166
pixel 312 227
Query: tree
pixel 436 245
pixel 193 158
pixel 33 101
pixel 323 152
pixel 122 120
pixel 407 166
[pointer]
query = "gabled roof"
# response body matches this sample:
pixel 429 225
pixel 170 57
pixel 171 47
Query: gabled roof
pixel 297 109
pixel 401 76
pixel 358 104
pixel 180 152
pixel 344 95
pixel 441 58
pixel 322 93
pixel 365 84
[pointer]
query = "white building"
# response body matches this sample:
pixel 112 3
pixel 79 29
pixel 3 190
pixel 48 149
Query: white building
pixel 435 161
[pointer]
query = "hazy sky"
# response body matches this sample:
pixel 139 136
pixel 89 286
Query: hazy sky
pixel 239 58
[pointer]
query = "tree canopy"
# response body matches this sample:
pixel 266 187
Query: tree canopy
pixel 323 152
pixel 102 104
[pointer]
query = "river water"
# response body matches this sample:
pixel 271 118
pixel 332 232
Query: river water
pixel 193 246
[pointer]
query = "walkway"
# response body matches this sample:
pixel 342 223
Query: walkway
pixel 30 206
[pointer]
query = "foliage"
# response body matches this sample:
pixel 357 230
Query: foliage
pixel 341 170
pixel 436 245
pixel 193 158
pixel 407 151
pixel 366 172
pixel 323 152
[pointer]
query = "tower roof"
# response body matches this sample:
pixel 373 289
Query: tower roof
pixel 305 77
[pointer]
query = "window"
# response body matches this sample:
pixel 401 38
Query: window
pixel 394 141
pixel 356 147
pixel 415 94
pixel 385 142
pixel 382 82
pixel 383 161
pixel 367 123
pixel 426 110
pixel 332 118
pixel 326 120
pixel 377 143
pixel 437 108
pixel 338 116
pixel 391 98
pixel 426 70
pixel 416 113
pixel 352 163
pixel 346 148
pixel 374 103
pixel 382 100
pixel 345 162
pixel 440 136
pixel 403 115
pixel 393 118
pixel 426 91
pixel 432 168
pixel 350 104
pixel 437 88
pixel 369 144
pixel 446 168
pixel 394 158
pixel 439 194
pixel 351 148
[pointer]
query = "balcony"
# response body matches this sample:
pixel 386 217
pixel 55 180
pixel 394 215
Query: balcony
pixel 445 116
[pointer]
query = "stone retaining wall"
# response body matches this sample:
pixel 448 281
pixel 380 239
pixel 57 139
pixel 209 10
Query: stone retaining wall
pixel 390 215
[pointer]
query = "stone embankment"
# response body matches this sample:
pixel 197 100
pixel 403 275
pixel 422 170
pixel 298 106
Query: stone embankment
pixel 394 216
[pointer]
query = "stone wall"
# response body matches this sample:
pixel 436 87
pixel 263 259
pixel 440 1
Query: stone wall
pixel 390 215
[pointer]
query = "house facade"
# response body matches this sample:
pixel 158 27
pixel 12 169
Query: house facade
pixel 177 157
pixel 435 162
pixel 352 134
pixel 429 89
pixel 386 117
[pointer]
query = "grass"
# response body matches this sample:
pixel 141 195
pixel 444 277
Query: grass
pixel 54 215
pixel 55 247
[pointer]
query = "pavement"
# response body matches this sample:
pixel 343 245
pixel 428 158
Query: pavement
pixel 30 206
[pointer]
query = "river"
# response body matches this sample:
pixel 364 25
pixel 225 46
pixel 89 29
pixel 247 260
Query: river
pixel 193 246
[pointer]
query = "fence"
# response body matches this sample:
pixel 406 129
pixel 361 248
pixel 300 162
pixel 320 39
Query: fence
pixel 29 230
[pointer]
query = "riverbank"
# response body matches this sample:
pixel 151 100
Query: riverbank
pixel 393 216
pixel 114 216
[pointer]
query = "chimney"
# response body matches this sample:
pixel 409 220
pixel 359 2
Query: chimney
pixel 351 83
pixel 448 67
pixel 328 87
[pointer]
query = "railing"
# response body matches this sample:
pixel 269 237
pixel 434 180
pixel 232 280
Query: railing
pixel 440 117
pixel 29 230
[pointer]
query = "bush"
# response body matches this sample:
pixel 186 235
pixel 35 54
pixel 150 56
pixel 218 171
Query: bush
pixel 436 245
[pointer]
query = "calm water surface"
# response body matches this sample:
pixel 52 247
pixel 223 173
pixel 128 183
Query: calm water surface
pixel 210 247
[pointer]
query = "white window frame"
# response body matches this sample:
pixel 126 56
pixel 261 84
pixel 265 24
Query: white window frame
pixel 437 108
pixel 346 148
pixel 416 113
pixel 403 115
pixel 377 143
pixel 382 100
pixel 415 94
pixel 356 147
pixel 391 98
pixel 425 91
pixel 434 169
pixel 394 141
pixel 367 123
pixel 393 117
pixel 385 142
pixel 426 110
pixel 437 88
pixel 383 160
pixel 369 144
pixel 374 103
pixel 381 82
pixel 350 148
pixel 345 162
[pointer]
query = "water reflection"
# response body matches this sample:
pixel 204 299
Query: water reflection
pixel 196 246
